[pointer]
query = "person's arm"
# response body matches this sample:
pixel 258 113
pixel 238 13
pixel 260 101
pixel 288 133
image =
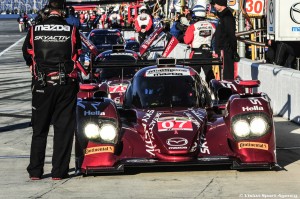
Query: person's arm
pixel 27 46
pixel 189 35
pixel 229 23
pixel 180 27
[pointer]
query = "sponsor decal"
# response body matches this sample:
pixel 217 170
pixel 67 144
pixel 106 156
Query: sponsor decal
pixel 52 38
pixel 167 72
pixel 295 13
pixel 255 101
pixel 203 145
pixel 52 28
pixel 295 29
pixel 295 16
pixel 253 108
pixel 271 13
pixel 228 85
pixel 194 147
pixel 150 40
pixel 170 46
pixel 177 141
pixel 173 125
pixel 100 149
pixel 253 145
pixel 89 44
pixel 117 89
pixel 91 113
pixel 149 137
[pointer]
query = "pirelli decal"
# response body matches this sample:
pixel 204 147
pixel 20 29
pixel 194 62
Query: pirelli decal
pixel 253 145
pixel 99 149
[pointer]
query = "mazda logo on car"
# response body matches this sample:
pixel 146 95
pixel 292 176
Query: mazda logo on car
pixel 295 13
pixel 271 12
pixel 177 141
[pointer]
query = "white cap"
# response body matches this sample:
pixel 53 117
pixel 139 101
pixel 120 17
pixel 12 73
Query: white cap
pixel 184 21
pixel 143 8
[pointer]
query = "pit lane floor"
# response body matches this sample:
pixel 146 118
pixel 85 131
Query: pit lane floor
pixel 186 182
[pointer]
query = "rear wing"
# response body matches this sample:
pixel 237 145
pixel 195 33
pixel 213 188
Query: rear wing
pixel 160 62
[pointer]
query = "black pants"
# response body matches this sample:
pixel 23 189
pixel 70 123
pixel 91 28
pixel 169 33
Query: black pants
pixel 228 70
pixel 209 74
pixel 56 104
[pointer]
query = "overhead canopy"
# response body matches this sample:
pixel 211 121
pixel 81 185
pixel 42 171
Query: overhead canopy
pixel 80 7
pixel 87 2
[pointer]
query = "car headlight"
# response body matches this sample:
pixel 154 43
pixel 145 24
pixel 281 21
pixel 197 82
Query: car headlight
pixel 108 132
pixel 258 126
pixel 92 131
pixel 241 128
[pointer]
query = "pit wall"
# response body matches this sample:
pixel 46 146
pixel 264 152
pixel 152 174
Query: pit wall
pixel 280 83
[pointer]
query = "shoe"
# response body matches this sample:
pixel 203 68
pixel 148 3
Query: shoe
pixel 34 178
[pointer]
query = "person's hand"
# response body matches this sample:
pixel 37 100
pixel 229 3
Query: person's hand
pixel 215 55
pixel 30 68
pixel 269 42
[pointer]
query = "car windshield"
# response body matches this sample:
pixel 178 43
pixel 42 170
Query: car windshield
pixel 167 91
pixel 101 39
pixel 108 73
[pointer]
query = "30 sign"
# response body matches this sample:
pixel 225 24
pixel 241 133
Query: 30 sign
pixel 255 7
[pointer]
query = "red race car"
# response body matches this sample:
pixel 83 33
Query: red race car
pixel 170 116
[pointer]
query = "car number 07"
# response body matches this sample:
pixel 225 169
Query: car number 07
pixel 171 124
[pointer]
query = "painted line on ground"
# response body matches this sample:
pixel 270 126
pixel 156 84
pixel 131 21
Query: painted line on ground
pixel 7 49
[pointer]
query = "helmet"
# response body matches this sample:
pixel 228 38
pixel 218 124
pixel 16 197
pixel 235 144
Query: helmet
pixel 199 11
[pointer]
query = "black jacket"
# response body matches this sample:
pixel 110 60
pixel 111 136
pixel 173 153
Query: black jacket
pixel 51 44
pixel 225 38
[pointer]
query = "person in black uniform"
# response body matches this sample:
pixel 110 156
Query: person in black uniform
pixel 225 39
pixel 51 49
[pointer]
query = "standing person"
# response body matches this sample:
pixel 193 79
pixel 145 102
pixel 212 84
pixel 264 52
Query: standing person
pixel 199 36
pixel 143 24
pixel 71 19
pixel 115 19
pixel 21 22
pixel 225 39
pixel 51 56
pixel 174 30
